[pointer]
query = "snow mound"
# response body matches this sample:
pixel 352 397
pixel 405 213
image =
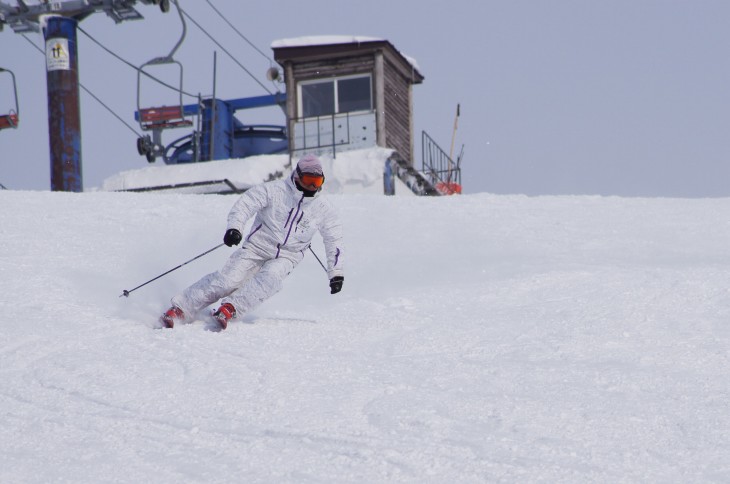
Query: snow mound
pixel 349 172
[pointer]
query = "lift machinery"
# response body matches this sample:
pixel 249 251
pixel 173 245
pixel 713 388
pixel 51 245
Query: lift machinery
pixel 220 134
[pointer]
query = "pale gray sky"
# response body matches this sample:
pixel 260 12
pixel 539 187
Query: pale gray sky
pixel 625 97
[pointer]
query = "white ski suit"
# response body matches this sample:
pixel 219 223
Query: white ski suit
pixel 285 222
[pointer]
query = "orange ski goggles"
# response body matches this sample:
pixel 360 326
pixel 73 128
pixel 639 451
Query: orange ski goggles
pixel 308 179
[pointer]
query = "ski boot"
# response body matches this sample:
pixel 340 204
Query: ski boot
pixel 224 314
pixel 171 316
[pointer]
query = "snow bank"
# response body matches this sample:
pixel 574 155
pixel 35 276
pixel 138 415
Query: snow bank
pixel 241 172
pixel 350 172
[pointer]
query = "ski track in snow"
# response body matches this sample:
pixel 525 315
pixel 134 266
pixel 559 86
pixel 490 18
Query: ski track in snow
pixel 478 338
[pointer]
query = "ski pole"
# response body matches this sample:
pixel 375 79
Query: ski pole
pixel 315 256
pixel 126 293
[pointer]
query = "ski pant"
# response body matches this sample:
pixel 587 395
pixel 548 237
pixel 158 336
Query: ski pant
pixel 246 280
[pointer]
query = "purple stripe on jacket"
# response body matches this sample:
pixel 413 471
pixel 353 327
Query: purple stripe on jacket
pixel 288 233
pixel 253 232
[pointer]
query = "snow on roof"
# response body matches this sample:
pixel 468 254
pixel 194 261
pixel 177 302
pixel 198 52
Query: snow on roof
pixel 311 40
pixel 322 40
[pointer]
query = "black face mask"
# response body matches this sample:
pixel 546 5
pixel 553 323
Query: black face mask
pixel 307 193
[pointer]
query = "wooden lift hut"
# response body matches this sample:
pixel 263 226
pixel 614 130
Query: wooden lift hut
pixel 347 93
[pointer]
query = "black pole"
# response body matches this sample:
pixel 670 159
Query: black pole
pixel 315 256
pixel 126 293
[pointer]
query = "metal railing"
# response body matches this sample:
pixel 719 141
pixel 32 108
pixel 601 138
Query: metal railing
pixel 209 187
pixel 328 133
pixel 438 167
pixel 396 166
pixel 219 187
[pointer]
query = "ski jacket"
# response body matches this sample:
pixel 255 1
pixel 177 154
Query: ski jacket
pixel 285 222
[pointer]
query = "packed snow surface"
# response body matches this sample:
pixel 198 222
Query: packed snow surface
pixel 477 338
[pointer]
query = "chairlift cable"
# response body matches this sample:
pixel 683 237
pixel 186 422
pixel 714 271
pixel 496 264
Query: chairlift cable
pixel 109 51
pixel 111 111
pixel 91 93
pixel 225 50
pixel 238 32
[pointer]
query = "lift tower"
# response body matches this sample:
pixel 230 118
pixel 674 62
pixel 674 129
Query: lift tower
pixel 58 21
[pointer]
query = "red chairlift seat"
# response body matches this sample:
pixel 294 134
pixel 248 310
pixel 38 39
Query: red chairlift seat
pixel 9 121
pixel 163 117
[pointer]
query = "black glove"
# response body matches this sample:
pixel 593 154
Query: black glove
pixel 232 237
pixel 336 284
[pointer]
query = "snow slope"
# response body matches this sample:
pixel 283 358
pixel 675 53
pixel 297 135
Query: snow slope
pixel 478 338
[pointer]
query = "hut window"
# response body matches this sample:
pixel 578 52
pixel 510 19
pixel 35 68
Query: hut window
pixel 353 94
pixel 318 99
pixel 337 95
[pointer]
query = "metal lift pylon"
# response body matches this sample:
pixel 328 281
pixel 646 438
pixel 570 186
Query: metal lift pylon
pixel 58 21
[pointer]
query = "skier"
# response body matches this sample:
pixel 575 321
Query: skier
pixel 287 214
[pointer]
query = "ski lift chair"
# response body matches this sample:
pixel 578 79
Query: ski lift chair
pixel 11 119
pixel 157 118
